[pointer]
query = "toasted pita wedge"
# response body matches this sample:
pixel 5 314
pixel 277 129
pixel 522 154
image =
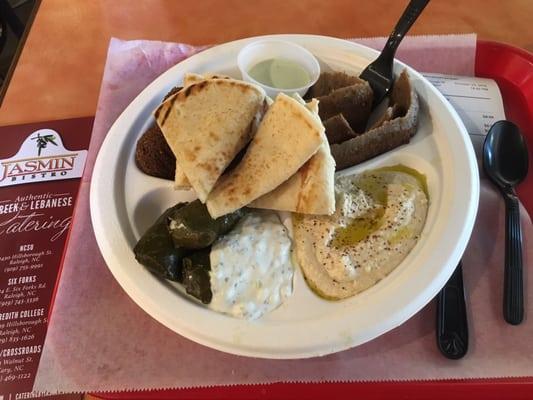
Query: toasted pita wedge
pixel 172 92
pixel 311 190
pixel 287 137
pixel 180 179
pixel 191 78
pixel 207 124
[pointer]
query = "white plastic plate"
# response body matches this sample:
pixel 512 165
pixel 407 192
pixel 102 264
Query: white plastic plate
pixel 125 202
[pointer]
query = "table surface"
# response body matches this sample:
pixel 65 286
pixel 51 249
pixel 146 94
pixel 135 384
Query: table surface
pixel 60 69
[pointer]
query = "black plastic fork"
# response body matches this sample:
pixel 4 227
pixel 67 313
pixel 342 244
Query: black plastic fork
pixel 379 73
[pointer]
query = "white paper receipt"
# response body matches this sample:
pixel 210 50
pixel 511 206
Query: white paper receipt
pixel 478 102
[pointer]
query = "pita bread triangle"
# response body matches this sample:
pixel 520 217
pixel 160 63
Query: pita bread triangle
pixel 206 124
pixel 286 138
pixel 180 179
pixel 311 190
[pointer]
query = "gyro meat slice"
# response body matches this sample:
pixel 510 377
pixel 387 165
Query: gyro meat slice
pixel 353 102
pixel 338 130
pixel 389 135
pixel 330 81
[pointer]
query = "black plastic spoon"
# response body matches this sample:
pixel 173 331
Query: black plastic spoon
pixel 379 73
pixel 505 161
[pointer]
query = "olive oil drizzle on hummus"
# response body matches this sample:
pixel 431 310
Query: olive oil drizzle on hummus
pixel 359 229
pixel 379 218
pixel 362 227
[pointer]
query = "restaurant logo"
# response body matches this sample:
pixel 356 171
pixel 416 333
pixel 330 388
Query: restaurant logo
pixel 42 141
pixel 42 157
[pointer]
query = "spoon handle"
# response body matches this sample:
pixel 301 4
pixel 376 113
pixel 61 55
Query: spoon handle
pixel 408 18
pixel 513 293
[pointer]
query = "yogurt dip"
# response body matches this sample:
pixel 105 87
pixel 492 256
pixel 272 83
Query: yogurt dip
pixel 280 73
pixel 251 268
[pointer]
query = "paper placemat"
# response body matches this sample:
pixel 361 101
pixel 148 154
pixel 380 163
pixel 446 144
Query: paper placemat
pixel 99 340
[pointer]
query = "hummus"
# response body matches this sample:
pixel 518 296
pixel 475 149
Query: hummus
pixel 378 219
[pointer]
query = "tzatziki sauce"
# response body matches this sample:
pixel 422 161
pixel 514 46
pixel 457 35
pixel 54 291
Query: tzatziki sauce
pixel 280 73
pixel 251 267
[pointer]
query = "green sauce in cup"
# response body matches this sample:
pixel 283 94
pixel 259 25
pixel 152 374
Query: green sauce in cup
pixel 280 73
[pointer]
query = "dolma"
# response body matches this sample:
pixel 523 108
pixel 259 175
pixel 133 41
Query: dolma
pixel 196 279
pixel 192 227
pixel 156 251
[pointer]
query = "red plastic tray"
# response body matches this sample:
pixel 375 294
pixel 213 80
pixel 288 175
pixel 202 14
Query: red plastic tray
pixel 512 68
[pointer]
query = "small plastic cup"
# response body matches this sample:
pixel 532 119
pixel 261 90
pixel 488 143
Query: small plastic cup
pixel 262 50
